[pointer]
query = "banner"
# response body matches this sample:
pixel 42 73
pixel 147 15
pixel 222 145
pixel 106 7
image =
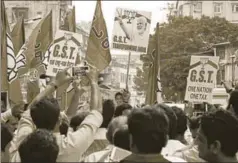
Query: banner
pixel 131 30
pixel 151 93
pixel 66 47
pixel 201 79
pixel 37 44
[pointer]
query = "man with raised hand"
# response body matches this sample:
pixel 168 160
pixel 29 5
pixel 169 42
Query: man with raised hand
pixel 45 114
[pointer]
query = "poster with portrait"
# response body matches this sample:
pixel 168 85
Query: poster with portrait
pixel 131 30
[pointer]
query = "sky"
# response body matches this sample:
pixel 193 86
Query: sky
pixel 85 11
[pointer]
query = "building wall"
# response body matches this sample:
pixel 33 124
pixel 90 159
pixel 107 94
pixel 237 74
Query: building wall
pixel 36 9
pixel 207 8
pixel 119 73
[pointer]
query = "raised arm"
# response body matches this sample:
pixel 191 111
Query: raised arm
pixel 122 25
pixel 95 92
pixel 61 78
pixel 78 142
pixel 75 100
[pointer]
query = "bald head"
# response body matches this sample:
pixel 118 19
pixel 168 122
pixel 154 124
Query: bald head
pixel 114 125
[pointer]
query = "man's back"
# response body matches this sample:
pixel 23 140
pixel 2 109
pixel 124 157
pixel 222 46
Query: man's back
pixel 144 158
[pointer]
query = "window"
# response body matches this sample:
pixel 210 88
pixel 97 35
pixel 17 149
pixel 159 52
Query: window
pixel 235 7
pixel 122 78
pixel 129 80
pixel 220 75
pixel 18 12
pixel 217 8
pixel 181 10
pixel 220 51
pixel 198 7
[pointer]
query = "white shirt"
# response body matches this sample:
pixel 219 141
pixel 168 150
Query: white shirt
pixel 100 142
pixel 171 147
pixel 190 154
pixel 71 147
pixel 101 156
pixel 101 134
pixel 174 159
pixel 6 116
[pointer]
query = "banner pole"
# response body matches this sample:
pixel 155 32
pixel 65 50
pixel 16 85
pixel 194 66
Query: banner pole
pixel 159 92
pixel 128 68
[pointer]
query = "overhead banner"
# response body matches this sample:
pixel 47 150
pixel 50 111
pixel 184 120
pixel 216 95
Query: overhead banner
pixel 131 30
pixel 201 79
pixel 64 51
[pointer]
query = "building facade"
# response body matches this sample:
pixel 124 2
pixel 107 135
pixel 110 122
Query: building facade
pixel 32 11
pixel 225 9
pixel 119 75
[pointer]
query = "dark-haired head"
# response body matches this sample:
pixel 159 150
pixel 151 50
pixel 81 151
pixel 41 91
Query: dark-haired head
pixel 172 119
pixel 122 110
pixel 63 128
pixel 78 119
pixel 217 136
pixel 25 107
pixel 148 128
pixel 119 98
pixel 233 102
pixel 121 138
pixel 114 125
pixel 193 124
pixel 181 122
pixel 107 112
pixel 38 147
pixel 45 114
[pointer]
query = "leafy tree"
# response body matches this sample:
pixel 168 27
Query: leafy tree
pixel 180 38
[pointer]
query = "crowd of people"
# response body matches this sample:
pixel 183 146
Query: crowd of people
pixel 44 133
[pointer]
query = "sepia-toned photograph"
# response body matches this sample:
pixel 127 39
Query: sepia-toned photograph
pixel 119 81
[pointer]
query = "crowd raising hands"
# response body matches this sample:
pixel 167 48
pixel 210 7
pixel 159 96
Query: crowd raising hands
pixel 115 131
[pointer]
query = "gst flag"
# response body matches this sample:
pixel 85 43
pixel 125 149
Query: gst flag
pixel 201 79
pixel 9 63
pixel 18 35
pixel 98 52
pixel 37 44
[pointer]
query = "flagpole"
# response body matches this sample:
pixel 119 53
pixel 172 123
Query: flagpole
pixel 159 93
pixel 65 102
pixel 128 68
